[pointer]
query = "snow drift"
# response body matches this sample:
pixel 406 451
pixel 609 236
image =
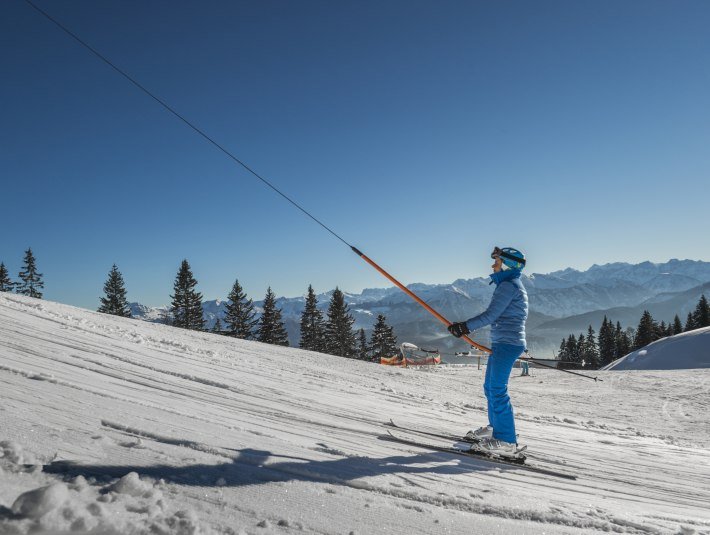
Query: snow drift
pixel 115 426
pixel 683 351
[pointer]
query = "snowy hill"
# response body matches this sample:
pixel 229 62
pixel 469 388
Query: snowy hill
pixel 619 289
pixel 111 425
pixel 683 351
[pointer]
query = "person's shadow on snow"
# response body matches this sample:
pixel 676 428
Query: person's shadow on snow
pixel 252 467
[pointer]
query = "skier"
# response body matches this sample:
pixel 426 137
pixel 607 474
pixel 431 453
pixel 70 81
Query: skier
pixel 506 314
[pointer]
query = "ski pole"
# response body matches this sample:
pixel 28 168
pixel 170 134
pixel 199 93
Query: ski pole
pixel 559 369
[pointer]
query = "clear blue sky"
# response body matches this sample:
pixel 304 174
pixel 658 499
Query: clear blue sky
pixel 423 132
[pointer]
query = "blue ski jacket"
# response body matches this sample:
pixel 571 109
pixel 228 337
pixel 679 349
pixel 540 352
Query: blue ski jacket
pixel 507 312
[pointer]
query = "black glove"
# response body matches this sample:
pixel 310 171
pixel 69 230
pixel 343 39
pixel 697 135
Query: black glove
pixel 458 329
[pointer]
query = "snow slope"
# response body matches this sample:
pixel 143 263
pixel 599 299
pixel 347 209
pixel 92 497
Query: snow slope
pixel 682 351
pixel 111 425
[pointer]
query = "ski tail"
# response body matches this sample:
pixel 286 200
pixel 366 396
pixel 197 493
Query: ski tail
pixel 473 454
pixel 445 436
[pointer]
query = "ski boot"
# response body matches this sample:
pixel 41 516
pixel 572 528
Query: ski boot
pixel 499 448
pixel 475 436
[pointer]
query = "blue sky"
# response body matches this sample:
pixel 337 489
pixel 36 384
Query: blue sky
pixel 424 133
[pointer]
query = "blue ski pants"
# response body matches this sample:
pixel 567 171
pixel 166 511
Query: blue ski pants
pixel 500 410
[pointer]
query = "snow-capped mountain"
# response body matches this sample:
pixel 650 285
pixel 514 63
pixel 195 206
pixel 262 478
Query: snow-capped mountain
pixel 152 314
pixel 663 307
pixel 635 273
pixel 554 297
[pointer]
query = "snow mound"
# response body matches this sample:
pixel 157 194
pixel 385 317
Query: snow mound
pixel 13 453
pixel 36 503
pixel 680 352
pixel 132 485
pixel 130 505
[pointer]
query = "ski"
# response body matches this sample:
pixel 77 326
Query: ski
pixel 445 436
pixel 391 437
pixel 458 438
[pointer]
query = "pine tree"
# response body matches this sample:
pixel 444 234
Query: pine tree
pixel 115 302
pixel 572 352
pixel 240 314
pixel 578 355
pixel 647 331
pixel 312 325
pixel 562 355
pixel 607 343
pixel 623 341
pixel 339 336
pixel 363 352
pixel 590 351
pixel 383 342
pixel 217 328
pixel 661 330
pixel 271 329
pixel 6 284
pixel 677 326
pixel 31 280
pixel 581 350
pixel 701 315
pixel 186 307
pixel 689 323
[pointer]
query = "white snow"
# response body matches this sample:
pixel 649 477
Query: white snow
pixel 117 426
pixel 687 350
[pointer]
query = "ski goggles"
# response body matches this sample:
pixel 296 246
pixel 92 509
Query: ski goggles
pixel 500 253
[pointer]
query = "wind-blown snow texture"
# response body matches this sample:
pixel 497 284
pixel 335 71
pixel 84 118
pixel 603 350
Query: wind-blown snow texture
pixel 111 425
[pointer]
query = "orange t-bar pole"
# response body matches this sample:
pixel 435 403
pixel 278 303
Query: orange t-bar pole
pixel 414 296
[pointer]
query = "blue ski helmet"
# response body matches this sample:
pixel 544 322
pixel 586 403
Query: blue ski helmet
pixel 511 258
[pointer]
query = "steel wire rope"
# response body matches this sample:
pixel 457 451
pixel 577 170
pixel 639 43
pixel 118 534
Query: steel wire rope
pixel 182 118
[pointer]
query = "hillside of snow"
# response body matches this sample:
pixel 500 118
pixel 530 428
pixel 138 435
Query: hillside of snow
pixel 117 426
pixel 683 351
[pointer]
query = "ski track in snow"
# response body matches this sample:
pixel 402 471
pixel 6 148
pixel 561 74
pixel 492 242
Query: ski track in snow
pixel 109 425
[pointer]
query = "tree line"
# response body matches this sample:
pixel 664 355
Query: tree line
pixel 30 283
pixel 333 333
pixel 613 342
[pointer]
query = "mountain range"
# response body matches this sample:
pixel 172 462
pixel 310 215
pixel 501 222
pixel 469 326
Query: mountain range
pixel 561 303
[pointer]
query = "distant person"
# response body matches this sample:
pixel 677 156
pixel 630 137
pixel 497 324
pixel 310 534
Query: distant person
pixel 506 315
pixel 525 367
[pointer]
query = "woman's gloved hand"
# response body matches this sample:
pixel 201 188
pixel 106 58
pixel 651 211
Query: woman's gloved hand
pixel 458 329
